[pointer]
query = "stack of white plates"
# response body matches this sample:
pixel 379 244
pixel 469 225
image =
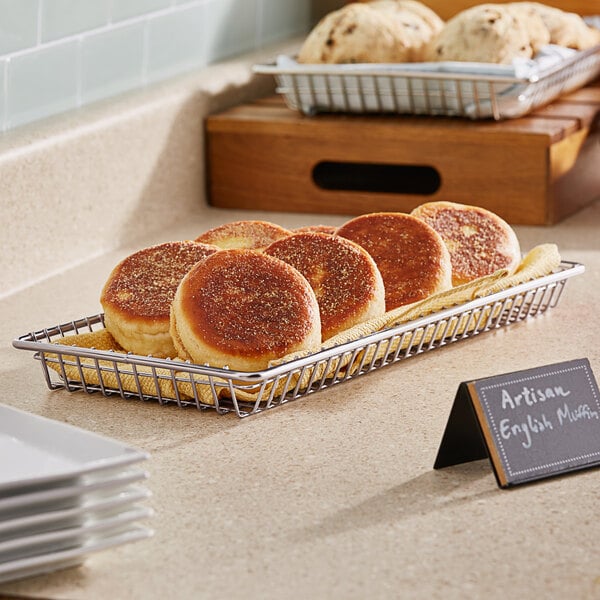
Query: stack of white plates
pixel 64 493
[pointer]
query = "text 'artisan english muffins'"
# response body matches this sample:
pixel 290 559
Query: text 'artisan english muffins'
pixel 479 241
pixel 137 296
pixel 411 256
pixel 241 309
pixel 344 277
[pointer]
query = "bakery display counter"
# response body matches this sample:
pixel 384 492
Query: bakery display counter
pixel 334 496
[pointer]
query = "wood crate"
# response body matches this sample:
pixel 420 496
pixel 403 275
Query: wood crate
pixel 535 170
pixel 448 8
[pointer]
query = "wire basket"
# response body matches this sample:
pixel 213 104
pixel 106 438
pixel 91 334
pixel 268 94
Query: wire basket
pixel 171 382
pixel 411 89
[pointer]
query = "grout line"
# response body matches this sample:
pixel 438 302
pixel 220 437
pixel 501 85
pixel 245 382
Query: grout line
pixel 258 29
pixel 39 24
pixel 144 20
pixel 145 52
pixel 5 95
pixel 109 16
pixel 103 29
pixel 113 25
pixel 79 73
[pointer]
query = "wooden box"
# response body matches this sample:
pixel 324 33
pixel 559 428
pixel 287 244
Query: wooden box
pixel 448 8
pixel 535 170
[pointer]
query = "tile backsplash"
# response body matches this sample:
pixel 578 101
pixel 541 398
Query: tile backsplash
pixel 56 55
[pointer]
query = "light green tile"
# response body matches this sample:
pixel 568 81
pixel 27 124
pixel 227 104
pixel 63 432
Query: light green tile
pixel 112 62
pixel 61 18
pixel 18 24
pixel 42 83
pixel 280 19
pixel 176 42
pixel 231 27
pixel 125 9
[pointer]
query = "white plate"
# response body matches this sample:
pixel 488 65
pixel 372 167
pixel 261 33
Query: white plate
pixel 62 539
pixel 42 451
pixel 70 517
pixel 54 561
pixel 68 495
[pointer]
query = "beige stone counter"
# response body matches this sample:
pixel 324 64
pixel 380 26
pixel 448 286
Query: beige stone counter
pixel 333 496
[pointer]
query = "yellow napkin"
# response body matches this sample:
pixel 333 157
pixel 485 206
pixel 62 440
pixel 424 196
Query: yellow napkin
pixel 175 384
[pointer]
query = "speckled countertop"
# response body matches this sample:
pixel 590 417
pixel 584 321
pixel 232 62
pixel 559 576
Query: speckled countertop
pixel 332 496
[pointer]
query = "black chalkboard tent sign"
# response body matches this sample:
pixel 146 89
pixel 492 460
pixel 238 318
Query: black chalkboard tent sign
pixel 531 424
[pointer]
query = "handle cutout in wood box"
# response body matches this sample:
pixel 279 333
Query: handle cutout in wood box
pixel 376 177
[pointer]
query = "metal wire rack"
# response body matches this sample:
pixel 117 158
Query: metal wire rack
pixel 170 382
pixel 377 89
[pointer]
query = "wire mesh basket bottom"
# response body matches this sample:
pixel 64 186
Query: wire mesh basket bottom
pixel 312 89
pixel 184 384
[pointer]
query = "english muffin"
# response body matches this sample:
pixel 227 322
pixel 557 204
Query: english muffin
pixel 330 229
pixel 410 255
pixel 344 277
pixel 479 241
pixel 241 309
pixel 243 234
pixel 137 296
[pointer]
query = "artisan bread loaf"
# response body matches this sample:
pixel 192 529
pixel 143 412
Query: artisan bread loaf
pixel 539 34
pixel 564 28
pixel 344 277
pixel 499 33
pixel 137 296
pixel 410 255
pixel 243 234
pixel 486 33
pixel 479 241
pixel 241 309
pixel 427 14
pixel 382 31
pixel 414 25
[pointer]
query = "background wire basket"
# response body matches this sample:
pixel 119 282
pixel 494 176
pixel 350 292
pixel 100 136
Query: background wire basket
pixel 184 384
pixel 399 89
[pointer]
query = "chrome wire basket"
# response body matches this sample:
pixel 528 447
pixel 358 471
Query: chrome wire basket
pixel 171 382
pixel 411 89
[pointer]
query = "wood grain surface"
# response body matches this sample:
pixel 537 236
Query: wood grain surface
pixel 533 170
pixel 448 8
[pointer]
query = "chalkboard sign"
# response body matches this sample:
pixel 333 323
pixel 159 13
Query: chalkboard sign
pixel 530 424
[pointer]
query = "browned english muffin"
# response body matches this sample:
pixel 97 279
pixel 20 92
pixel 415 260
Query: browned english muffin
pixel 330 229
pixel 344 277
pixel 479 241
pixel 241 309
pixel 137 296
pixel 411 256
pixel 243 234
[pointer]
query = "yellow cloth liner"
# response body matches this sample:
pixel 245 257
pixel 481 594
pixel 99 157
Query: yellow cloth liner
pixel 173 384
